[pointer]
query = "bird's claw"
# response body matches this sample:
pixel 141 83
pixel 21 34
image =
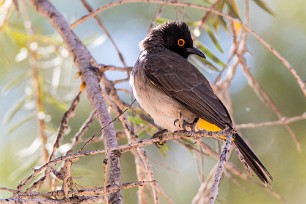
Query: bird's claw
pixel 183 123
pixel 159 135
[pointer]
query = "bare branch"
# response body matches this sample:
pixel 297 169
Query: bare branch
pixel 142 163
pixel 99 21
pixel 64 124
pixel 282 121
pixel 262 94
pixel 83 129
pixel 215 188
pixel 89 195
pixel 82 60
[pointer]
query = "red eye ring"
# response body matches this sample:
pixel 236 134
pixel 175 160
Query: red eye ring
pixel 181 42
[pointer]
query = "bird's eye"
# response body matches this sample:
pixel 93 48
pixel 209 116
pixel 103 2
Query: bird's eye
pixel 181 42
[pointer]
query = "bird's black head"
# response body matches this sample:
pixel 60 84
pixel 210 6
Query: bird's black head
pixel 174 36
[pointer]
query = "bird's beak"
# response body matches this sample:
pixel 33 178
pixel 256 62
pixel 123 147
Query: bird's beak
pixel 195 51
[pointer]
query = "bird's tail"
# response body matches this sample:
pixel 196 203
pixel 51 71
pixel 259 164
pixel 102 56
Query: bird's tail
pixel 248 155
pixel 252 160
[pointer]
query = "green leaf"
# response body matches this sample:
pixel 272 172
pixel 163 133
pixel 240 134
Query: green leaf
pixel 161 20
pixel 209 54
pixel 20 123
pixel 18 36
pixel 188 141
pixel 220 5
pixel 264 6
pixel 13 83
pixel 53 101
pixel 199 62
pixel 233 9
pixel 163 149
pixel 213 38
pixel 217 21
pixel 137 120
pixel 211 66
pixel 192 23
pixel 15 108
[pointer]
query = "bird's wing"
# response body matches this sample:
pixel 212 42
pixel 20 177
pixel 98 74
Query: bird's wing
pixel 179 79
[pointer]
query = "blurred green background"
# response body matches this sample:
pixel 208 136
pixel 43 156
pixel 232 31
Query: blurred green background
pixel 285 31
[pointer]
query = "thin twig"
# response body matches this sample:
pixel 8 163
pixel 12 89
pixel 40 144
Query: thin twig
pixel 86 195
pixel 203 190
pixel 139 154
pixel 281 121
pixel 99 21
pixel 228 165
pixel 64 124
pixel 62 130
pixel 125 148
pixel 83 129
pixel 113 120
pixel 157 15
pixel 205 18
pixel 104 68
pixel 215 188
pixel 262 94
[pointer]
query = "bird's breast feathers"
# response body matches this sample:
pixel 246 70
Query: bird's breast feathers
pixel 161 107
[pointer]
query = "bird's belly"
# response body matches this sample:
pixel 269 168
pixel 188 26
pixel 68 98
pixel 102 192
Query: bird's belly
pixel 162 108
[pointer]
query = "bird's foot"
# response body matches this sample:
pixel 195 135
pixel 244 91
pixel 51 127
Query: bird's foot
pixel 180 122
pixel 159 135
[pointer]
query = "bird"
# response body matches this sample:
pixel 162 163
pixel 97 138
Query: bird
pixel 169 88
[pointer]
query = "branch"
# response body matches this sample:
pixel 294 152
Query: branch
pixel 143 166
pixel 220 168
pixel 87 195
pixel 99 21
pixel 83 59
pixel 281 121
pixel 127 147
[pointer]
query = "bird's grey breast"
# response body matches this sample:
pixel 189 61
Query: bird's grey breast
pixel 161 107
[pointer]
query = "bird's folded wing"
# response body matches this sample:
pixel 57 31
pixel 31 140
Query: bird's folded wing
pixel 179 79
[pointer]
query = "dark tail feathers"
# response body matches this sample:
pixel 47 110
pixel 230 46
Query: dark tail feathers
pixel 252 160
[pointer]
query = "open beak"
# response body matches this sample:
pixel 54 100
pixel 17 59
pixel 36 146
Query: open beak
pixel 196 51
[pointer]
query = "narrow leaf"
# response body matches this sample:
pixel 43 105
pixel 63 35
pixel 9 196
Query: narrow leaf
pixel 233 9
pixel 210 65
pixel 58 104
pixel 264 6
pixel 163 149
pixel 13 83
pixel 20 123
pixel 209 54
pixel 192 23
pixel 213 38
pixel 161 20
pixel 200 62
pixel 217 21
pixel 14 109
